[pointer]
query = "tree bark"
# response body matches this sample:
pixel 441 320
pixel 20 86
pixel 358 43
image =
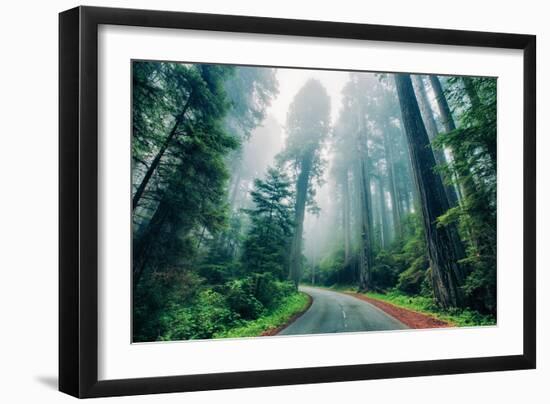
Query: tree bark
pixel 384 234
pixel 365 206
pixel 447 273
pixel 466 185
pixel 446 117
pixel 366 228
pixel 395 203
pixel 302 184
pixel 431 127
pixel 235 186
pixel 346 216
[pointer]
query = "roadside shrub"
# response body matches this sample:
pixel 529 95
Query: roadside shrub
pixel 410 281
pixel 330 268
pixel 209 314
pixel 480 288
pixel 159 293
pixel 386 271
pixel 241 297
pixel 213 274
pixel 269 291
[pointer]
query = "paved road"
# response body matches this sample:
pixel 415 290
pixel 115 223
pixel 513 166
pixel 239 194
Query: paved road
pixel 337 312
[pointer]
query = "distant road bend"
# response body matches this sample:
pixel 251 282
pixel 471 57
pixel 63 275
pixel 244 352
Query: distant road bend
pixel 333 312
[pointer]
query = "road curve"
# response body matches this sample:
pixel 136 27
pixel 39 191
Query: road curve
pixel 333 312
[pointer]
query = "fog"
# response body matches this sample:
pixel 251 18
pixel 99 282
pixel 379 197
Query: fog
pixel 268 140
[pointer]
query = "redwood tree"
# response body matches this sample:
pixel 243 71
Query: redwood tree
pixel 307 126
pixel 444 256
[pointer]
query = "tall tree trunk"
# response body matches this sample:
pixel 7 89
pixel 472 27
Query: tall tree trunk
pixel 447 274
pixel 302 184
pixel 346 216
pixel 395 203
pixel 425 109
pixel 366 257
pixel 431 127
pixel 365 206
pixel 447 119
pixel 201 237
pixel 383 214
pixel 156 161
pixel 408 187
pixel 406 198
pixel 445 112
pixel 235 186
pixel 465 183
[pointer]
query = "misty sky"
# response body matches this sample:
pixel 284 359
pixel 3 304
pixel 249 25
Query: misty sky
pixel 290 82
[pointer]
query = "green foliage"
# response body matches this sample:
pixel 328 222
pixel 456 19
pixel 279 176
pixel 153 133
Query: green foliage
pixel 269 291
pixel 241 303
pixel 411 257
pixel 328 271
pixel 240 295
pixel 160 291
pixel 203 268
pixel 427 305
pixel 187 120
pixel 209 314
pixel 383 272
pixel 266 244
pixel 473 145
pixel 410 281
pixel 291 305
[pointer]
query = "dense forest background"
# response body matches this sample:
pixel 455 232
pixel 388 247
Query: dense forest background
pixel 390 190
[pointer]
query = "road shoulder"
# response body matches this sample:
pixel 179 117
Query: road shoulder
pixel 408 317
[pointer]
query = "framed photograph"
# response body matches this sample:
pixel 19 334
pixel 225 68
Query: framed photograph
pixel 251 201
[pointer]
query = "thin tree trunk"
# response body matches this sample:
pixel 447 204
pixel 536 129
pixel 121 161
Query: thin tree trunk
pixel 406 198
pixel 365 207
pixel 383 214
pixel 366 228
pixel 396 205
pixel 431 127
pixel 465 182
pixel 156 161
pixel 295 267
pixel 201 237
pixel 447 273
pixel 346 216
pixel 235 187
pixel 445 112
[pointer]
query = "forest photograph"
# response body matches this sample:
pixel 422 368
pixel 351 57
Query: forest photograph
pixel 289 201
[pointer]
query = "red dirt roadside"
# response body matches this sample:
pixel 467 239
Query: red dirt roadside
pixel 408 317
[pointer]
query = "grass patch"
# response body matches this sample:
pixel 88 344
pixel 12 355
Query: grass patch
pixel 290 306
pixel 426 305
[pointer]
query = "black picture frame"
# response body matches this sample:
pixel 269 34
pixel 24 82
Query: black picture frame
pixel 78 201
